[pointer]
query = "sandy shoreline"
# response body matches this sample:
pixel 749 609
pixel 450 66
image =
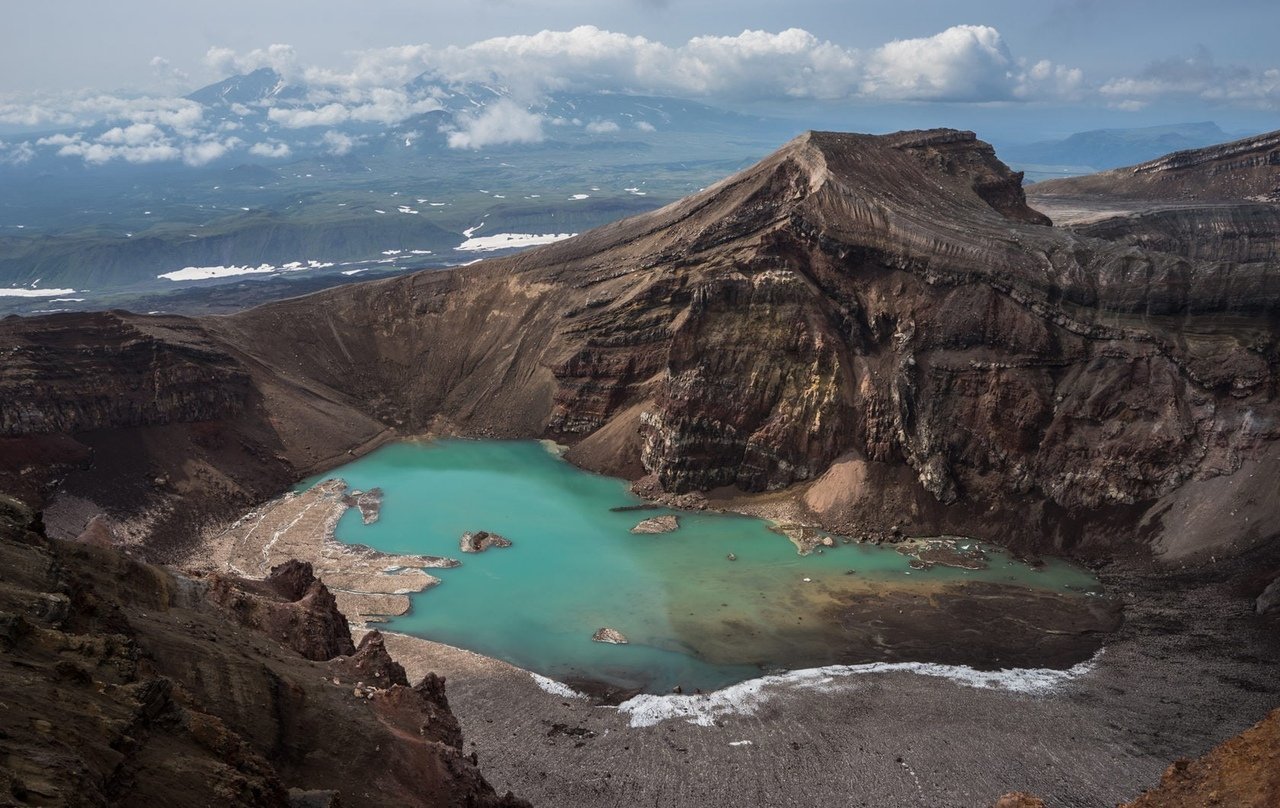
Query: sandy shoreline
pixel 369 585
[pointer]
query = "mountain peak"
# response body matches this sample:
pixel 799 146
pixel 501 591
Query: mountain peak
pixel 908 166
pixel 242 88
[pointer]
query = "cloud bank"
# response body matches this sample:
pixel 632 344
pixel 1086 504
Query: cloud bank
pixel 496 91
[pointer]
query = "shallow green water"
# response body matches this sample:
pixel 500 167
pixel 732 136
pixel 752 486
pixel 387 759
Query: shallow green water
pixel 693 617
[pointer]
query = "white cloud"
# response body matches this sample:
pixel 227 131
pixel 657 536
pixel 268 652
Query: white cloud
pixel 1197 77
pixel 157 151
pixel 281 58
pixel 178 113
pixel 295 118
pixel 206 151
pixel 962 63
pixel 132 135
pixel 167 73
pixel 17 154
pixel 337 143
pixel 139 143
pixel 645 126
pixel 271 149
pixel 501 122
pixel 602 127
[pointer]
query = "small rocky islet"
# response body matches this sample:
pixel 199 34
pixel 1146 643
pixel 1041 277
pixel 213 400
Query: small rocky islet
pixel 480 540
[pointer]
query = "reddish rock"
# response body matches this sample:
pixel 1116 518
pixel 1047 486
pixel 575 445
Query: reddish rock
pixel 291 606
pixel 1243 772
pixel 371 664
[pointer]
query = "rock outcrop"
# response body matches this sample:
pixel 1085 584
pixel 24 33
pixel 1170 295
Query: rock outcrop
pixel 884 319
pixel 1268 601
pixel 126 684
pixel 290 606
pixel 1243 232
pixel 481 540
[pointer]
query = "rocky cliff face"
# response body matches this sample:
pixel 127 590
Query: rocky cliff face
pixel 891 303
pixel 1220 203
pixel 125 684
pixel 131 373
pixel 1224 232
pixel 881 319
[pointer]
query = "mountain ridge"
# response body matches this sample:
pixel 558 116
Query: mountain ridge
pixel 880 323
pixel 1244 169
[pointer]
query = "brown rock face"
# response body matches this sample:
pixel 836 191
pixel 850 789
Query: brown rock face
pixel 1220 203
pixel 1241 232
pixel 291 606
pixel 372 664
pixel 882 317
pixel 140 373
pixel 123 684
pixel 481 540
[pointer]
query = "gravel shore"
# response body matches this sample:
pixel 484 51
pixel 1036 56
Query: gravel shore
pixel 1191 666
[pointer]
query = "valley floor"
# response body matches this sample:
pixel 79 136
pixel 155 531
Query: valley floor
pixel 1191 667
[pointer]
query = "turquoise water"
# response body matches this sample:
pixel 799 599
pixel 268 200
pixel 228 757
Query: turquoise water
pixel 693 617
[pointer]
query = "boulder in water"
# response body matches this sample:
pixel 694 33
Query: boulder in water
pixel 658 524
pixel 610 635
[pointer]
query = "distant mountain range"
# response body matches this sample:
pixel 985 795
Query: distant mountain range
pixel 1102 149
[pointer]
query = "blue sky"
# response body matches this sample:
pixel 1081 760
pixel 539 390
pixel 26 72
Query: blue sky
pixel 1046 67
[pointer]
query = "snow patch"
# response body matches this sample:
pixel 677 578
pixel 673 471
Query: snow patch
pixel 35 292
pixel 212 273
pixel 506 241
pixel 555 688
pixel 747 697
